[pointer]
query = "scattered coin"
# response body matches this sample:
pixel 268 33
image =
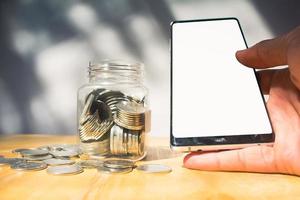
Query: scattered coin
pixel 4 161
pixel 65 169
pixel 55 161
pixel 10 161
pixel 38 158
pixel 154 168
pixel 34 152
pixel 24 166
pixel 46 148
pixel 19 150
pixel 114 170
pixel 61 147
pixel 64 153
pixel 118 164
pixel 90 163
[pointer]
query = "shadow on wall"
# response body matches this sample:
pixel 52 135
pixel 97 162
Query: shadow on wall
pixel 281 16
pixel 47 20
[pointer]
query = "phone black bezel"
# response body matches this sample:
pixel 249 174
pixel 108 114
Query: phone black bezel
pixel 214 140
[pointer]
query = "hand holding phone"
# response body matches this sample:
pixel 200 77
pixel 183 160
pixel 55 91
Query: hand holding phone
pixel 283 88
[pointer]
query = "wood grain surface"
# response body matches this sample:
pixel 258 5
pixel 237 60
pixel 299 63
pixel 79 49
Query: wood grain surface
pixel 181 183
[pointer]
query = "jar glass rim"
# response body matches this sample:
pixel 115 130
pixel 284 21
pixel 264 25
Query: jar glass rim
pixel 115 65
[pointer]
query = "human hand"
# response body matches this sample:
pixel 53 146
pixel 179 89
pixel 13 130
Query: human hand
pixel 283 87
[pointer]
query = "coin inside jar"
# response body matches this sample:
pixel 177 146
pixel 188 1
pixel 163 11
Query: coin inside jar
pixel 130 115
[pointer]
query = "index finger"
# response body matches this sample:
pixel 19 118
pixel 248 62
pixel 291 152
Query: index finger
pixel 265 54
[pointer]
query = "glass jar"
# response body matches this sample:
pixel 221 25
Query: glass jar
pixel 112 111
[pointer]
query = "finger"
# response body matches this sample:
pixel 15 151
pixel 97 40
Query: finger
pixel 293 58
pixel 265 54
pixel 256 159
pixel 265 80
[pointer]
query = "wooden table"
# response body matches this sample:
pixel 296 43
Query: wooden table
pixel 180 184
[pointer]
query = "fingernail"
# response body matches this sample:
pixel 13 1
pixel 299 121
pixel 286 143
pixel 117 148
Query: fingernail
pixel 241 51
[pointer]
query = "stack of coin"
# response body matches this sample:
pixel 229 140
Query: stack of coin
pixel 130 115
pixel 97 116
pixel 111 98
pixel 114 166
pixel 93 130
pixel 126 142
pixel 35 154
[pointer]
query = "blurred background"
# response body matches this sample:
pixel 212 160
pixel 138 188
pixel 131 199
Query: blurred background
pixel 45 47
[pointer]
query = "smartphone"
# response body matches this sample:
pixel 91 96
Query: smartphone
pixel 216 102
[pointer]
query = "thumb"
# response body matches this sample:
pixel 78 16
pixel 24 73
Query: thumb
pixel 256 158
pixel 265 54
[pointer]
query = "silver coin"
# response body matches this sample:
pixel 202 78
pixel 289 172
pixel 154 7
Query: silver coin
pixel 10 161
pixel 47 148
pixel 90 163
pixel 65 169
pixel 66 147
pixel 118 163
pixel 37 158
pixel 64 153
pixel 15 160
pixel 4 161
pixel 24 166
pixel 154 168
pixel 34 152
pixel 19 150
pixel 55 161
pixel 131 107
pixel 114 170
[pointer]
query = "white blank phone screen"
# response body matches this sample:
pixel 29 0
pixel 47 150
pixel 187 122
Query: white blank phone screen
pixel 213 94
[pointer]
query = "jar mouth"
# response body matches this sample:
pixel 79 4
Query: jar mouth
pixel 116 71
pixel 115 65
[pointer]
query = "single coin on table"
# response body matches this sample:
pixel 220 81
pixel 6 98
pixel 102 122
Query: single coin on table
pixel 19 150
pixel 90 163
pixel 56 161
pixel 65 169
pixel 118 163
pixel 64 147
pixel 114 170
pixel 34 152
pixel 38 158
pixel 64 153
pixel 10 161
pixel 24 166
pixel 154 168
pixel 4 161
